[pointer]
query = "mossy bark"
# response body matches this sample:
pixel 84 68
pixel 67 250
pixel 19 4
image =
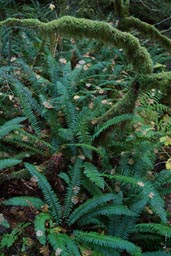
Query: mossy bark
pixel 102 31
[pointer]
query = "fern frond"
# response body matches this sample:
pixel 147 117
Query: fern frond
pixel 35 139
pixel 16 139
pixel 28 104
pixel 40 226
pixel 98 241
pixel 25 201
pixel 89 206
pixel 94 175
pixel 161 253
pixel 86 146
pixel 90 187
pixel 11 125
pixel 75 175
pixel 64 243
pixel 114 121
pixel 8 162
pixel 146 190
pixel 154 228
pixel 106 210
pixel 162 179
pixel 49 195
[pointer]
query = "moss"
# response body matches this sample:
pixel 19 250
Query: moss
pixel 121 8
pixel 160 81
pixel 146 29
pixel 102 31
pixel 125 106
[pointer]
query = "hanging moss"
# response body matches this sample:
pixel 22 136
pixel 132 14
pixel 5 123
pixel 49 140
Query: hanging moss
pixel 102 31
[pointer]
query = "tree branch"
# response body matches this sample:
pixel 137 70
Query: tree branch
pixel 102 31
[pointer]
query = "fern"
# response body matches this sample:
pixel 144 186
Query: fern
pixel 17 140
pixel 64 243
pixel 154 228
pixel 6 163
pixel 94 175
pixel 87 146
pixel 147 191
pixel 114 121
pixel 105 210
pixel 28 104
pixel 89 206
pixel 50 197
pixel 90 186
pixel 75 175
pixel 11 125
pixel 25 201
pixel 40 226
pixel 159 253
pixel 98 242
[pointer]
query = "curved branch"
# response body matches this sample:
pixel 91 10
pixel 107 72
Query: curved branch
pixel 146 29
pixel 102 31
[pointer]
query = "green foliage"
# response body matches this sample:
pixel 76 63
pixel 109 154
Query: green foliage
pixel 162 253
pixel 48 193
pixel 160 229
pixel 103 242
pixel 40 226
pixel 25 201
pixel 5 163
pixel 64 244
pixel 89 133
pixel 93 175
pixel 10 125
pixel 9 238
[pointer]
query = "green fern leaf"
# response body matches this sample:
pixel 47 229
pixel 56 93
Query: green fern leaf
pixel 49 195
pixel 156 253
pixel 11 125
pixel 25 201
pixel 154 228
pixel 87 146
pixel 8 162
pixel 40 226
pixel 114 121
pixel 64 243
pixel 98 241
pixel 89 206
pixel 106 210
pixel 147 190
pixel 28 104
pixel 94 175
pixel 74 183
pixel 89 186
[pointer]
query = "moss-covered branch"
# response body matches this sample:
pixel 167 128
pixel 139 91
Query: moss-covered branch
pixel 160 81
pixel 124 106
pixel 127 23
pixel 146 29
pixel 102 31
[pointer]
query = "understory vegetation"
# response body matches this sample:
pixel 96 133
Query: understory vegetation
pixel 85 130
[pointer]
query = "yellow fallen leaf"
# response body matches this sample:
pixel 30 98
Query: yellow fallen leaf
pixel 168 164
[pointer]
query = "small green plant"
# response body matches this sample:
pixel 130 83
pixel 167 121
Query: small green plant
pixel 60 226
pixel 8 240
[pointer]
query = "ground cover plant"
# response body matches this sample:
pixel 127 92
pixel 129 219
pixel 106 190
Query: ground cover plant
pixel 84 136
